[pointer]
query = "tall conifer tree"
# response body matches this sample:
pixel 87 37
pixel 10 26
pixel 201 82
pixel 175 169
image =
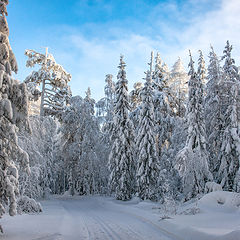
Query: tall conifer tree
pixel 121 159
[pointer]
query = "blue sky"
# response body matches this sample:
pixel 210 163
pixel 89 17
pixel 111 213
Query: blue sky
pixel 87 37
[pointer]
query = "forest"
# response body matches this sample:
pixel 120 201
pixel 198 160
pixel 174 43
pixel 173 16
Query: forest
pixel 172 138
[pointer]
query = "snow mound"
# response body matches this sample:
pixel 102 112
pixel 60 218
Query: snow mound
pixel 28 205
pixel 234 235
pixel 220 200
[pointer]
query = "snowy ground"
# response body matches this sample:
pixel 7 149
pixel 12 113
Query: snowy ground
pixel 95 217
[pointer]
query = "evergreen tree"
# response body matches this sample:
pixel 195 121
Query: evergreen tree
pixel 147 159
pixel 105 106
pixel 161 100
pixel 83 158
pixel 56 93
pixel 192 160
pixel 228 173
pixel 213 111
pixel 178 87
pixel 39 144
pixel 135 95
pixel 121 159
pixel 109 97
pixel 13 112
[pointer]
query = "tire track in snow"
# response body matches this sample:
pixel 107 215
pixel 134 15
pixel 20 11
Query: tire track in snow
pixel 163 231
pixel 121 229
pixel 68 218
pixel 109 230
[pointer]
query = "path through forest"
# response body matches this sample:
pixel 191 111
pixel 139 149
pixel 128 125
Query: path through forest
pixel 86 218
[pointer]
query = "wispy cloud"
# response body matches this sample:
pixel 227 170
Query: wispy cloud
pixel 99 56
pixel 92 50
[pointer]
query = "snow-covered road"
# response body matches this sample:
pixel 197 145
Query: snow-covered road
pixel 86 218
pixel 103 218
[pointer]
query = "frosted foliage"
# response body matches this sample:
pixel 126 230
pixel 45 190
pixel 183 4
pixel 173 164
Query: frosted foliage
pixel 54 78
pixel 50 69
pixel 84 163
pixel 135 95
pixel 147 160
pixel 162 101
pixel 212 187
pixel 12 112
pixel 105 106
pixel 121 159
pixel 178 87
pixel 228 172
pixel 28 205
pixel 192 160
pixel 213 111
pixel 161 70
pixel 171 178
pixel 39 145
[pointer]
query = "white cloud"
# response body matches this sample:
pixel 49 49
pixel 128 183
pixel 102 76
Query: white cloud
pixel 98 56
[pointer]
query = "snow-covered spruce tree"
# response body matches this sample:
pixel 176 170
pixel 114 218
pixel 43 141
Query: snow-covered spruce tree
pixel 106 113
pixel 12 114
pixel 135 95
pixel 147 159
pixel 192 160
pixel 39 144
pixel 105 106
pixel 178 87
pixel 230 144
pixel 109 91
pixel 84 169
pixel 91 165
pixel 71 138
pixel 55 92
pixel 172 134
pixel 213 112
pixel 121 159
pixel 161 100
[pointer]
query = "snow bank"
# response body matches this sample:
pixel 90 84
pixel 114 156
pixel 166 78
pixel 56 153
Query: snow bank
pixel 220 200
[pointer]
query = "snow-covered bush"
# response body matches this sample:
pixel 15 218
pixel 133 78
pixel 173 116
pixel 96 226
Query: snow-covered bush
pixel 28 205
pixel 212 187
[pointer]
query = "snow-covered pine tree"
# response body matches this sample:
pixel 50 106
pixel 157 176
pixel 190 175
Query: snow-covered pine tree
pixel 55 92
pixel 230 144
pixel 213 112
pixel 12 114
pixel 121 159
pixel 192 160
pixel 147 159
